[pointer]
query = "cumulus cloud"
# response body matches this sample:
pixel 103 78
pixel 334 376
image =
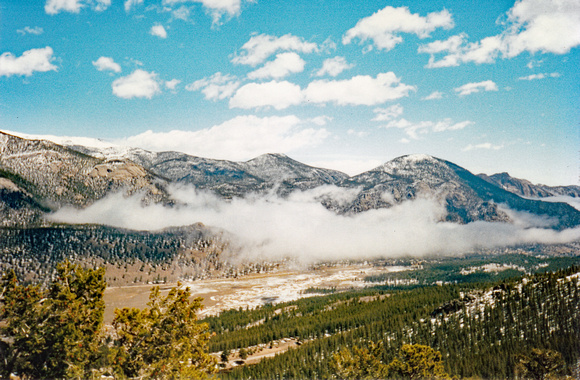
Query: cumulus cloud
pixel 29 62
pixel 358 90
pixel 434 95
pixel 241 138
pixel 333 66
pixel 279 95
pixel 486 145
pixel 283 65
pixel 172 84
pixel 384 27
pixel 414 129
pixel 259 48
pixel 299 227
pixel 385 114
pixel 53 7
pixel 320 120
pixel 107 63
pixel 540 76
pixel 216 87
pixel 546 26
pixel 138 84
pixel 216 8
pixel 472 88
pixel 37 30
pixel 132 3
pixel 181 13
pixel 158 30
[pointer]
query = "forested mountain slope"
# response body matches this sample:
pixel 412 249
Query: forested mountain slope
pixel 481 330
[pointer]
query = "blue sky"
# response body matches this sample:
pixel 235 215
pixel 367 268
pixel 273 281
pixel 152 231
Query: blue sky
pixel 490 85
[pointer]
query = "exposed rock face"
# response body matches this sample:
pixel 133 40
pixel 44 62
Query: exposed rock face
pixel 527 189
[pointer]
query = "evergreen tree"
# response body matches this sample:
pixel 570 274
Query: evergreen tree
pixel 359 363
pixel 53 333
pixel 225 356
pixel 163 341
pixel 417 361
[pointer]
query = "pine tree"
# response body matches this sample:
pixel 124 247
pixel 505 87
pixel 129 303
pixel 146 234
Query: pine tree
pixel 163 341
pixel 53 333
pixel 417 361
pixel 359 363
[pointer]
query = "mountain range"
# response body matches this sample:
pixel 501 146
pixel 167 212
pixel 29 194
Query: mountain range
pixel 40 177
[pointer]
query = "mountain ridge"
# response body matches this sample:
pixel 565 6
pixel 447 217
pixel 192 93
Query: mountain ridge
pixel 58 176
pixel 528 189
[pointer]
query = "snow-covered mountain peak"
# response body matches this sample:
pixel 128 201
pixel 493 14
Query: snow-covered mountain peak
pixel 411 165
pixel 68 140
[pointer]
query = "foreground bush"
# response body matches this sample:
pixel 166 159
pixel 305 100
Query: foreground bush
pixel 58 332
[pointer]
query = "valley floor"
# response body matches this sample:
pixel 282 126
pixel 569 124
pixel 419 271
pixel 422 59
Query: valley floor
pixel 256 289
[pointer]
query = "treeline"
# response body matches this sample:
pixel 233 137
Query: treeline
pixel 481 330
pixel 33 253
pixel 478 267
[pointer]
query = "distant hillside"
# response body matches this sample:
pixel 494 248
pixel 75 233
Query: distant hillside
pixel 58 176
pixel 527 189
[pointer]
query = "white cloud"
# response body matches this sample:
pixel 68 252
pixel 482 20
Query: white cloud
pixel 486 145
pixel 172 84
pixel 279 95
pixel 299 227
pixel 413 130
pixel 359 90
pixel 472 88
pixel 333 67
pixel 29 62
pixel 546 26
pixel 181 13
pixel 216 87
pixel 217 8
pixel 138 84
pixel 132 3
pixel 53 7
pixel 107 63
pixel 543 25
pixel 101 5
pixel 484 51
pixel 540 76
pixel 434 95
pixel 320 120
pixel 534 63
pixel 384 26
pixel 37 30
pixel 262 46
pixel 241 138
pixel 158 30
pixel 283 65
pixel 390 113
